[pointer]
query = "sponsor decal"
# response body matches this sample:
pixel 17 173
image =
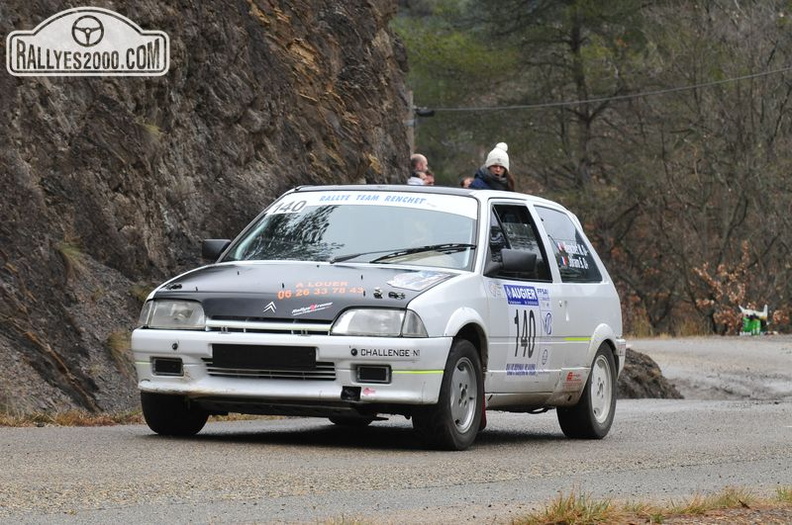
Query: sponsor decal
pixel 405 199
pixel 337 197
pixel 573 381
pixel 87 41
pixel 389 352
pixel 495 290
pixel 523 295
pixel 547 323
pixel 520 369
pixel 311 309
pixel 573 255
pixel 368 392
pixel 418 281
pixel 348 197
pixel 545 356
pixel 523 371
pixel 544 298
pixel 447 203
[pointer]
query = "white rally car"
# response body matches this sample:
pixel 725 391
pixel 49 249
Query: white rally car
pixel 351 302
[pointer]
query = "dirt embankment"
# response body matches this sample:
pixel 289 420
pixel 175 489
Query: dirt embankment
pixel 642 378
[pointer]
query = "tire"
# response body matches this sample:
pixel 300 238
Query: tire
pixel 169 415
pixel 351 421
pixel 592 417
pixel 453 423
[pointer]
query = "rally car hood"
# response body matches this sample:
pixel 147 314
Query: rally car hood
pixel 293 290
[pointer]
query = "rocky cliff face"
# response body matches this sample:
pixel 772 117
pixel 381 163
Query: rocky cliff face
pixel 108 184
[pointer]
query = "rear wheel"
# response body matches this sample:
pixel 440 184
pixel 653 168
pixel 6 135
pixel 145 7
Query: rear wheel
pixel 170 415
pixel 592 417
pixel 452 423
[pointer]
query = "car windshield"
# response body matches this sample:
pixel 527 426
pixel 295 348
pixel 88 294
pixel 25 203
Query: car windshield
pixel 374 227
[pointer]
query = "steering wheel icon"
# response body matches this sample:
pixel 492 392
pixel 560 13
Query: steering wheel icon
pixel 87 31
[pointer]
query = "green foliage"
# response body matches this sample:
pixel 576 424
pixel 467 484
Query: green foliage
pixel 448 62
pixel 655 122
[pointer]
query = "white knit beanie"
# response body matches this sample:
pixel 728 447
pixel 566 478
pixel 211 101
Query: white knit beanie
pixel 498 156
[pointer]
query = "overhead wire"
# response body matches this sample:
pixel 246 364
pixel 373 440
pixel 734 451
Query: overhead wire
pixel 614 97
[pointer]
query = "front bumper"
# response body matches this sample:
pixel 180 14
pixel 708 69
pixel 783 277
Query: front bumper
pixel 415 365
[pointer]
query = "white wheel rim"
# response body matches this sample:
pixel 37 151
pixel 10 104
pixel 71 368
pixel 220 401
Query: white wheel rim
pixel 463 395
pixel 601 389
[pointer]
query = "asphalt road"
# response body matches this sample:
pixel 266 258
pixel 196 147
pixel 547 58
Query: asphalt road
pixel 309 471
pixel 733 367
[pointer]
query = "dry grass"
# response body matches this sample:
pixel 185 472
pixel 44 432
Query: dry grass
pixel 140 291
pixel 576 509
pixel 119 346
pixel 72 256
pixel 70 418
pixel 573 509
pixel 730 498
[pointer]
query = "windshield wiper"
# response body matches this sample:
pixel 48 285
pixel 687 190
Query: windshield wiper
pixel 450 247
pixel 444 248
pixel 348 256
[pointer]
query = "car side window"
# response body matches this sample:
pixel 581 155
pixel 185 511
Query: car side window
pixel 511 226
pixel 572 255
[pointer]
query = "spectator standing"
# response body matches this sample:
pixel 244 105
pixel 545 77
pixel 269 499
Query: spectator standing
pixel 494 174
pixel 417 178
pixel 418 162
pixel 418 167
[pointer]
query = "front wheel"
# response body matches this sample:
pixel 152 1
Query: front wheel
pixel 592 417
pixel 170 415
pixel 452 423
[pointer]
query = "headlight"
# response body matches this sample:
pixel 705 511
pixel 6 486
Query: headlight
pixel 380 322
pixel 173 314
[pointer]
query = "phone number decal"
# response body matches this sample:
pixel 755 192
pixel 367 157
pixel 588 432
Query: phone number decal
pixel 320 288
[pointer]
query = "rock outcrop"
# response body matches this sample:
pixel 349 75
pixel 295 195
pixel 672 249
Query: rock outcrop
pixel 108 184
pixel 642 378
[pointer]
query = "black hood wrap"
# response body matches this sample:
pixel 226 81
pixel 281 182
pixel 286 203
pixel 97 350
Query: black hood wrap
pixel 311 291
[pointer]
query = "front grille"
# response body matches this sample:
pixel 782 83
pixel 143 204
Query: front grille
pixel 267 326
pixel 322 372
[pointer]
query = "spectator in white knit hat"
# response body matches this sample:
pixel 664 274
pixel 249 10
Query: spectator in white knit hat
pixel 494 174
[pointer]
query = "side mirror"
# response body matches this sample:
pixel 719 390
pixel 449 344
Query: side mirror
pixel 212 248
pixel 512 261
